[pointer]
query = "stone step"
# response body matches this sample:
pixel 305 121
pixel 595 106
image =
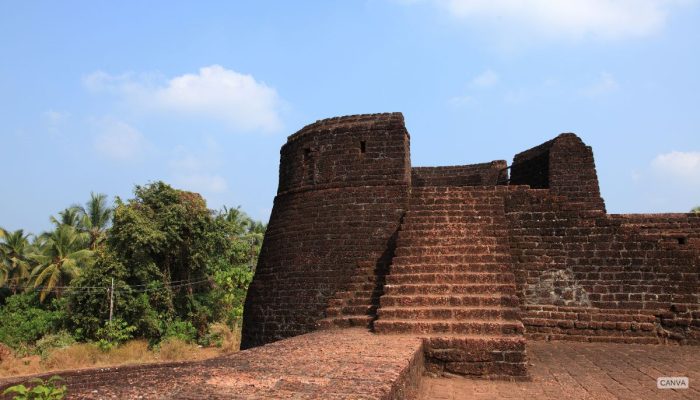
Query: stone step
pixel 492 267
pixel 448 313
pixel 449 300
pixel 363 279
pixel 353 302
pixel 345 322
pixel 436 326
pixel 431 231
pixel 350 310
pixel 457 218
pixel 459 278
pixel 449 241
pixel 453 259
pixel 362 294
pixel 448 289
pixel 356 286
pixel 477 226
pixel 502 249
pixel 428 230
pixel 476 348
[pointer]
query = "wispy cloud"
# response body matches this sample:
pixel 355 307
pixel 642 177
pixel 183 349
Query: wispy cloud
pixel 118 140
pixel 605 84
pixel 54 119
pixel 213 92
pixel 487 78
pixel 678 164
pixel 600 19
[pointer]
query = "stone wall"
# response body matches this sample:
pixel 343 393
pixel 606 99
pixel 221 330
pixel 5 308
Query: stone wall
pixel 586 275
pixel 485 174
pixel 581 274
pixel 343 189
pixel 565 166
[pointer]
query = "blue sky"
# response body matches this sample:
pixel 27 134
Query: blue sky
pixel 100 96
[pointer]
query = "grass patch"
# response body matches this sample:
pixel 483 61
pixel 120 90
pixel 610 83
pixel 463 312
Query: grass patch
pixel 89 355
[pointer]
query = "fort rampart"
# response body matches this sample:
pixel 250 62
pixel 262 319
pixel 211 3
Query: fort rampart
pixel 346 185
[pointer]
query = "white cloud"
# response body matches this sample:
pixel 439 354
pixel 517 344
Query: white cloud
pixel 607 19
pixel 606 83
pixel 118 140
pixel 487 78
pixel 678 164
pixel 213 92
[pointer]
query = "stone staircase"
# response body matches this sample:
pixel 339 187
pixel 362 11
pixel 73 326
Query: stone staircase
pixel 357 304
pixel 451 283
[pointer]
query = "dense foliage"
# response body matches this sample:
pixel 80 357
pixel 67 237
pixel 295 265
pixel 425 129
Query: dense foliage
pixel 156 266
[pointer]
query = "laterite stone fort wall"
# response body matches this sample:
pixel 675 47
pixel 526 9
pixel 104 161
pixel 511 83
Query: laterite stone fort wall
pixel 485 174
pixel 343 188
pixel 580 273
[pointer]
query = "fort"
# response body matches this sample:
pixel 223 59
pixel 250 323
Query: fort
pixel 475 259
pixel 376 279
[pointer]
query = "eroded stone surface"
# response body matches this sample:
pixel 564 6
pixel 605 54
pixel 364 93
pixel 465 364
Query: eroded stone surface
pixel 335 364
pixel 566 370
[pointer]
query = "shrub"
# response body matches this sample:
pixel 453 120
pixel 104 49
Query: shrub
pixel 183 330
pixel 43 390
pixel 52 341
pixel 24 321
pixel 114 333
pixel 222 336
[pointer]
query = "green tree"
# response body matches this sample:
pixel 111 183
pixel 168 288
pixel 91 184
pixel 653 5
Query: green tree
pixel 24 320
pixel 695 210
pixel 62 254
pixel 174 263
pixel 70 216
pixel 158 251
pixel 95 218
pixel 242 228
pixel 15 265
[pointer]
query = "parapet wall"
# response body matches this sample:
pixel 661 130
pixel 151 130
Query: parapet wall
pixel 486 174
pixel 361 150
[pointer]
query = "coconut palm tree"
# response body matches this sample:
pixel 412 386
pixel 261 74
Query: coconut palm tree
pixel 95 218
pixel 70 216
pixel 62 255
pixel 237 218
pixel 14 258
